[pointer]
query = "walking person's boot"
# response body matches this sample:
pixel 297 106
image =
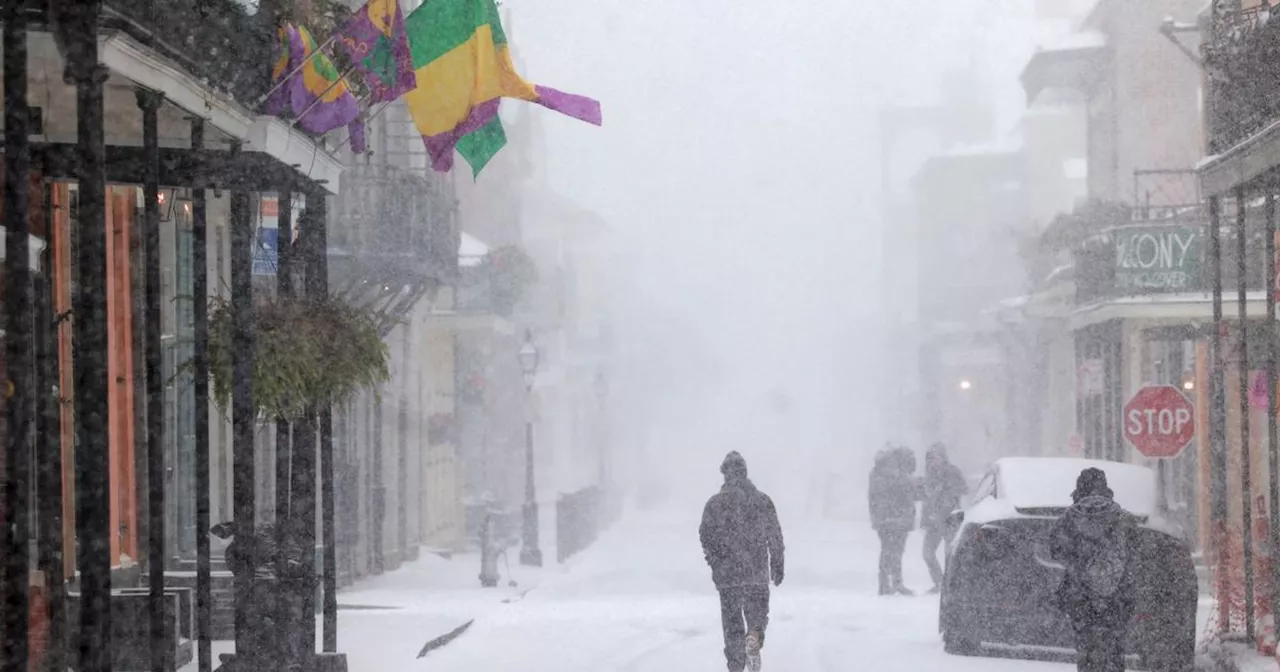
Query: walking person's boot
pixel 753 652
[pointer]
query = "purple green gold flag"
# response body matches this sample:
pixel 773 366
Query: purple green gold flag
pixel 482 144
pixel 378 45
pixel 463 68
pixel 316 96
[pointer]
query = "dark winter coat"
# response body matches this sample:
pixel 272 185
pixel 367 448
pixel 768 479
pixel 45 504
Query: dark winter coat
pixel 944 486
pixel 892 493
pixel 741 536
pixel 1095 527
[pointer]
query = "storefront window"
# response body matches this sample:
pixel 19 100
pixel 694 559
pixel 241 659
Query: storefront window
pixel 179 348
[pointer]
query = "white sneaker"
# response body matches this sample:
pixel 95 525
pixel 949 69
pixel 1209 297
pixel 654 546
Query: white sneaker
pixel 753 652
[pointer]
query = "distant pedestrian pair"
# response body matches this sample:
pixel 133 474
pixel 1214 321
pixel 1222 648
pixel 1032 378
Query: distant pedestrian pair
pixel 893 492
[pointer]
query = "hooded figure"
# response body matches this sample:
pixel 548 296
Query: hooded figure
pixel 892 499
pixel 944 487
pixel 1092 541
pixel 742 542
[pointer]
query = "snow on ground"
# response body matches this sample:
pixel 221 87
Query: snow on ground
pixel 641 600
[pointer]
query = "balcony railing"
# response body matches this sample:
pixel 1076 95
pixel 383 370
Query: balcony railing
pixel 215 40
pixel 1242 56
pixel 396 219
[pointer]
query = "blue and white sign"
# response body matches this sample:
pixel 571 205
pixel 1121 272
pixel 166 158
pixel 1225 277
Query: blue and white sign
pixel 266 244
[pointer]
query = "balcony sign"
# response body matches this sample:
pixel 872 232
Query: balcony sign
pixel 1152 259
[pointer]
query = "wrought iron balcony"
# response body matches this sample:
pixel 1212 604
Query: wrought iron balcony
pixel 216 40
pixel 495 283
pixel 1242 55
pixel 394 237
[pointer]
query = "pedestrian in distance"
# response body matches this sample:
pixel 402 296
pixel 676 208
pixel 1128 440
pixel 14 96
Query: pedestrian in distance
pixel 892 495
pixel 742 543
pixel 944 487
pixel 1092 541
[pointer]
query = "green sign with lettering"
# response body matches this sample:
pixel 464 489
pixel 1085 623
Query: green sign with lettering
pixel 1155 259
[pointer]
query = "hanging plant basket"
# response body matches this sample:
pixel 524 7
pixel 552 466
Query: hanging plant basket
pixel 512 271
pixel 306 352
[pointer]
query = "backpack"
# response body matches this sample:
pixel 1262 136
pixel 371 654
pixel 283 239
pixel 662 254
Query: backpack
pixel 1104 574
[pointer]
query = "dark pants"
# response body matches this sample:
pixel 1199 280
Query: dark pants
pixel 934 536
pixel 1100 637
pixel 893 543
pixel 743 609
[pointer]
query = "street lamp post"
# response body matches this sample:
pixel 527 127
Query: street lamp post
pixel 530 554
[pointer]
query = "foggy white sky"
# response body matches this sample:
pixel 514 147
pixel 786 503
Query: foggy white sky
pixel 738 165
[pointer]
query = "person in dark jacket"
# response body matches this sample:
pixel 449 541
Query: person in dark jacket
pixel 892 496
pixel 1092 540
pixel 944 486
pixel 742 542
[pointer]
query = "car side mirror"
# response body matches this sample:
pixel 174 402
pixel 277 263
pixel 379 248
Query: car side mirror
pixel 956 519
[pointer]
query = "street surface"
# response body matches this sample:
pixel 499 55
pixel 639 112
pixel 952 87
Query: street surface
pixel 641 601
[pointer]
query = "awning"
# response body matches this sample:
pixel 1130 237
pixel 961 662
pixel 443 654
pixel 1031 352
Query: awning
pixel 1250 159
pixel 260 133
pixel 265 140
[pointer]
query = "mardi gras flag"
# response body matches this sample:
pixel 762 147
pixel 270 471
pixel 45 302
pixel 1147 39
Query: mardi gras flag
pixel 376 41
pixel 463 68
pixel 316 95
pixel 482 144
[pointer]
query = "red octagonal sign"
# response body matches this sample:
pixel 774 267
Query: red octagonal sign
pixel 1159 421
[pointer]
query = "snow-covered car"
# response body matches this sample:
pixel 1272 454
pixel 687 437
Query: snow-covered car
pixel 999 584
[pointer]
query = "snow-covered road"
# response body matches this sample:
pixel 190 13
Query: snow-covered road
pixel 641 601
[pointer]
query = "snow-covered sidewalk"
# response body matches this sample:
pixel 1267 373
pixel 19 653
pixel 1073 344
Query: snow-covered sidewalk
pixel 384 621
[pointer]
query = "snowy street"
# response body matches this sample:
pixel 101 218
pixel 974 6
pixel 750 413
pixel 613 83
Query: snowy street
pixel 641 600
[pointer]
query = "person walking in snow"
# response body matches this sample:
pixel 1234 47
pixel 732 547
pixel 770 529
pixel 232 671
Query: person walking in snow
pixel 944 486
pixel 742 542
pixel 892 495
pixel 1092 541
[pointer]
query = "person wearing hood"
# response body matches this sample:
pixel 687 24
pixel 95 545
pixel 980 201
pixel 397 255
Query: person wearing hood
pixel 1092 541
pixel 742 543
pixel 944 486
pixel 892 496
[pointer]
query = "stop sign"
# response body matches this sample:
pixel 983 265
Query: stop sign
pixel 1159 421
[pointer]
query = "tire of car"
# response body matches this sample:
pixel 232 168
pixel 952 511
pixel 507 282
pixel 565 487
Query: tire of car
pixel 1179 658
pixel 959 643
pixel 957 640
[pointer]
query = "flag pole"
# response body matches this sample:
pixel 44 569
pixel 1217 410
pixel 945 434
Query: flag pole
pixel 276 87
pixel 341 78
pixel 367 119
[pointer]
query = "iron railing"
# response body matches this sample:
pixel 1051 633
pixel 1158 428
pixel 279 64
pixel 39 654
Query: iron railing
pixel 392 213
pixel 1242 56
pixel 216 40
